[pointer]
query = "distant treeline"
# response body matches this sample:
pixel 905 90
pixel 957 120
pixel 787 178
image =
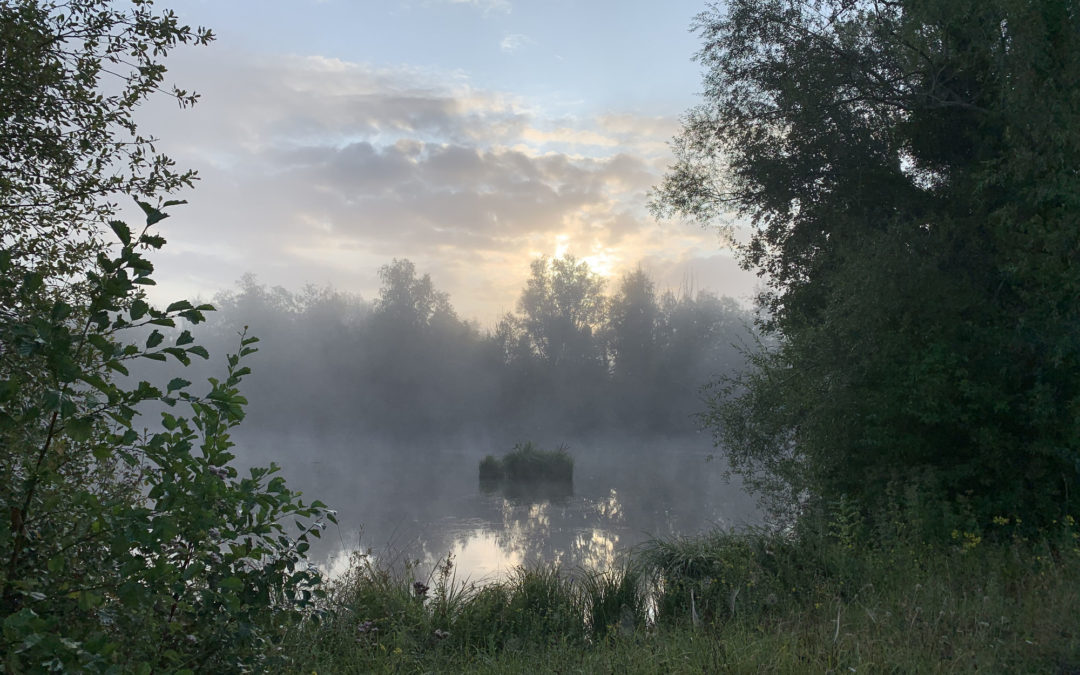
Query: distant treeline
pixel 571 359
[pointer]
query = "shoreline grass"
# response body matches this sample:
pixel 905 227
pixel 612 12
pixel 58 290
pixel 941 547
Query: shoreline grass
pixel 724 602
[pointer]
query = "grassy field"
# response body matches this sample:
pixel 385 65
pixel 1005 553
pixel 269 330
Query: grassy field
pixel 829 599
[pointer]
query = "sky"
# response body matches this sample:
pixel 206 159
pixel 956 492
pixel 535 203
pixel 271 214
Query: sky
pixel 469 136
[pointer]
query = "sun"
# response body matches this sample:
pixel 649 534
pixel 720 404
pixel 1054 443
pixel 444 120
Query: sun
pixel 603 263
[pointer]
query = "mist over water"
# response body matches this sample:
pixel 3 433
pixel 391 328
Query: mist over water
pixel 422 503
pixel 384 409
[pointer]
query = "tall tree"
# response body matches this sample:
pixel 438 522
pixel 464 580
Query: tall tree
pixel 425 370
pixel 910 171
pixel 560 310
pixel 409 300
pixel 632 326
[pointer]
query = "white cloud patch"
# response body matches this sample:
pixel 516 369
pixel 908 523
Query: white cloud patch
pixel 515 41
pixel 483 5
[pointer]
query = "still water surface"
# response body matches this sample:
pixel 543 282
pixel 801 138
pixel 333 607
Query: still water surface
pixel 422 503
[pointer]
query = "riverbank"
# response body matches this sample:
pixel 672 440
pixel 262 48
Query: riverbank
pixel 831 599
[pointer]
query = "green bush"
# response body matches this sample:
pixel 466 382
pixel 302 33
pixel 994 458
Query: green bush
pixel 491 469
pixel 527 463
pixel 129 546
pixel 146 550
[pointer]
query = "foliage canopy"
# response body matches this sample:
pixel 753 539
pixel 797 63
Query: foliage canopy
pixel 910 172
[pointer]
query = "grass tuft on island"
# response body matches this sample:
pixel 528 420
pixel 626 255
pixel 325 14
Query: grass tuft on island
pixel 527 463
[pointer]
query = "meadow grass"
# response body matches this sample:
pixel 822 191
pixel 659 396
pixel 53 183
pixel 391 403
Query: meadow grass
pixel 814 601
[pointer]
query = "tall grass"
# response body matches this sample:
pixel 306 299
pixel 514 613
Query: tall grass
pixel 822 598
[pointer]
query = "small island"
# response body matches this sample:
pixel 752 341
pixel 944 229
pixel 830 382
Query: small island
pixel 528 470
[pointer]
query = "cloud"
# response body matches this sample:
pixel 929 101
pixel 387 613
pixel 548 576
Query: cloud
pixel 515 41
pixel 484 5
pixel 319 170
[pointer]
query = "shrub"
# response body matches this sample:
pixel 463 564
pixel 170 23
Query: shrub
pixel 143 549
pixel 491 469
pixel 528 463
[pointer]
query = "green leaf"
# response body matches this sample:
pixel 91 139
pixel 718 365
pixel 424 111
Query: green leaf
pixel 32 281
pixel 152 240
pixel 140 264
pixel 122 231
pixel 79 429
pixel 177 383
pixel 139 309
pixel 185 338
pixel 101 342
pixel 193 315
pixel 117 366
pixel 199 350
pixel 193 570
pixel 88 599
pixel 177 306
pixel 97 382
pixel 168 421
pixel 154 340
pixel 60 311
pixel 179 354
pixel 153 215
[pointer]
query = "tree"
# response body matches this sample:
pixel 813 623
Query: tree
pixel 632 327
pixel 560 309
pixel 424 371
pixel 72 75
pixel 408 301
pixel 123 549
pixel 909 170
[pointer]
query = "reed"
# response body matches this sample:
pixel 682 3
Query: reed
pixel 818 600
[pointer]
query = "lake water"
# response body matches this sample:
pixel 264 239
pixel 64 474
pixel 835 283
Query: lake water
pixel 422 503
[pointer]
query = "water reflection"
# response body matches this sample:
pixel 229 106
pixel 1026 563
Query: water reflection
pixel 482 555
pixel 422 504
pixel 543 491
